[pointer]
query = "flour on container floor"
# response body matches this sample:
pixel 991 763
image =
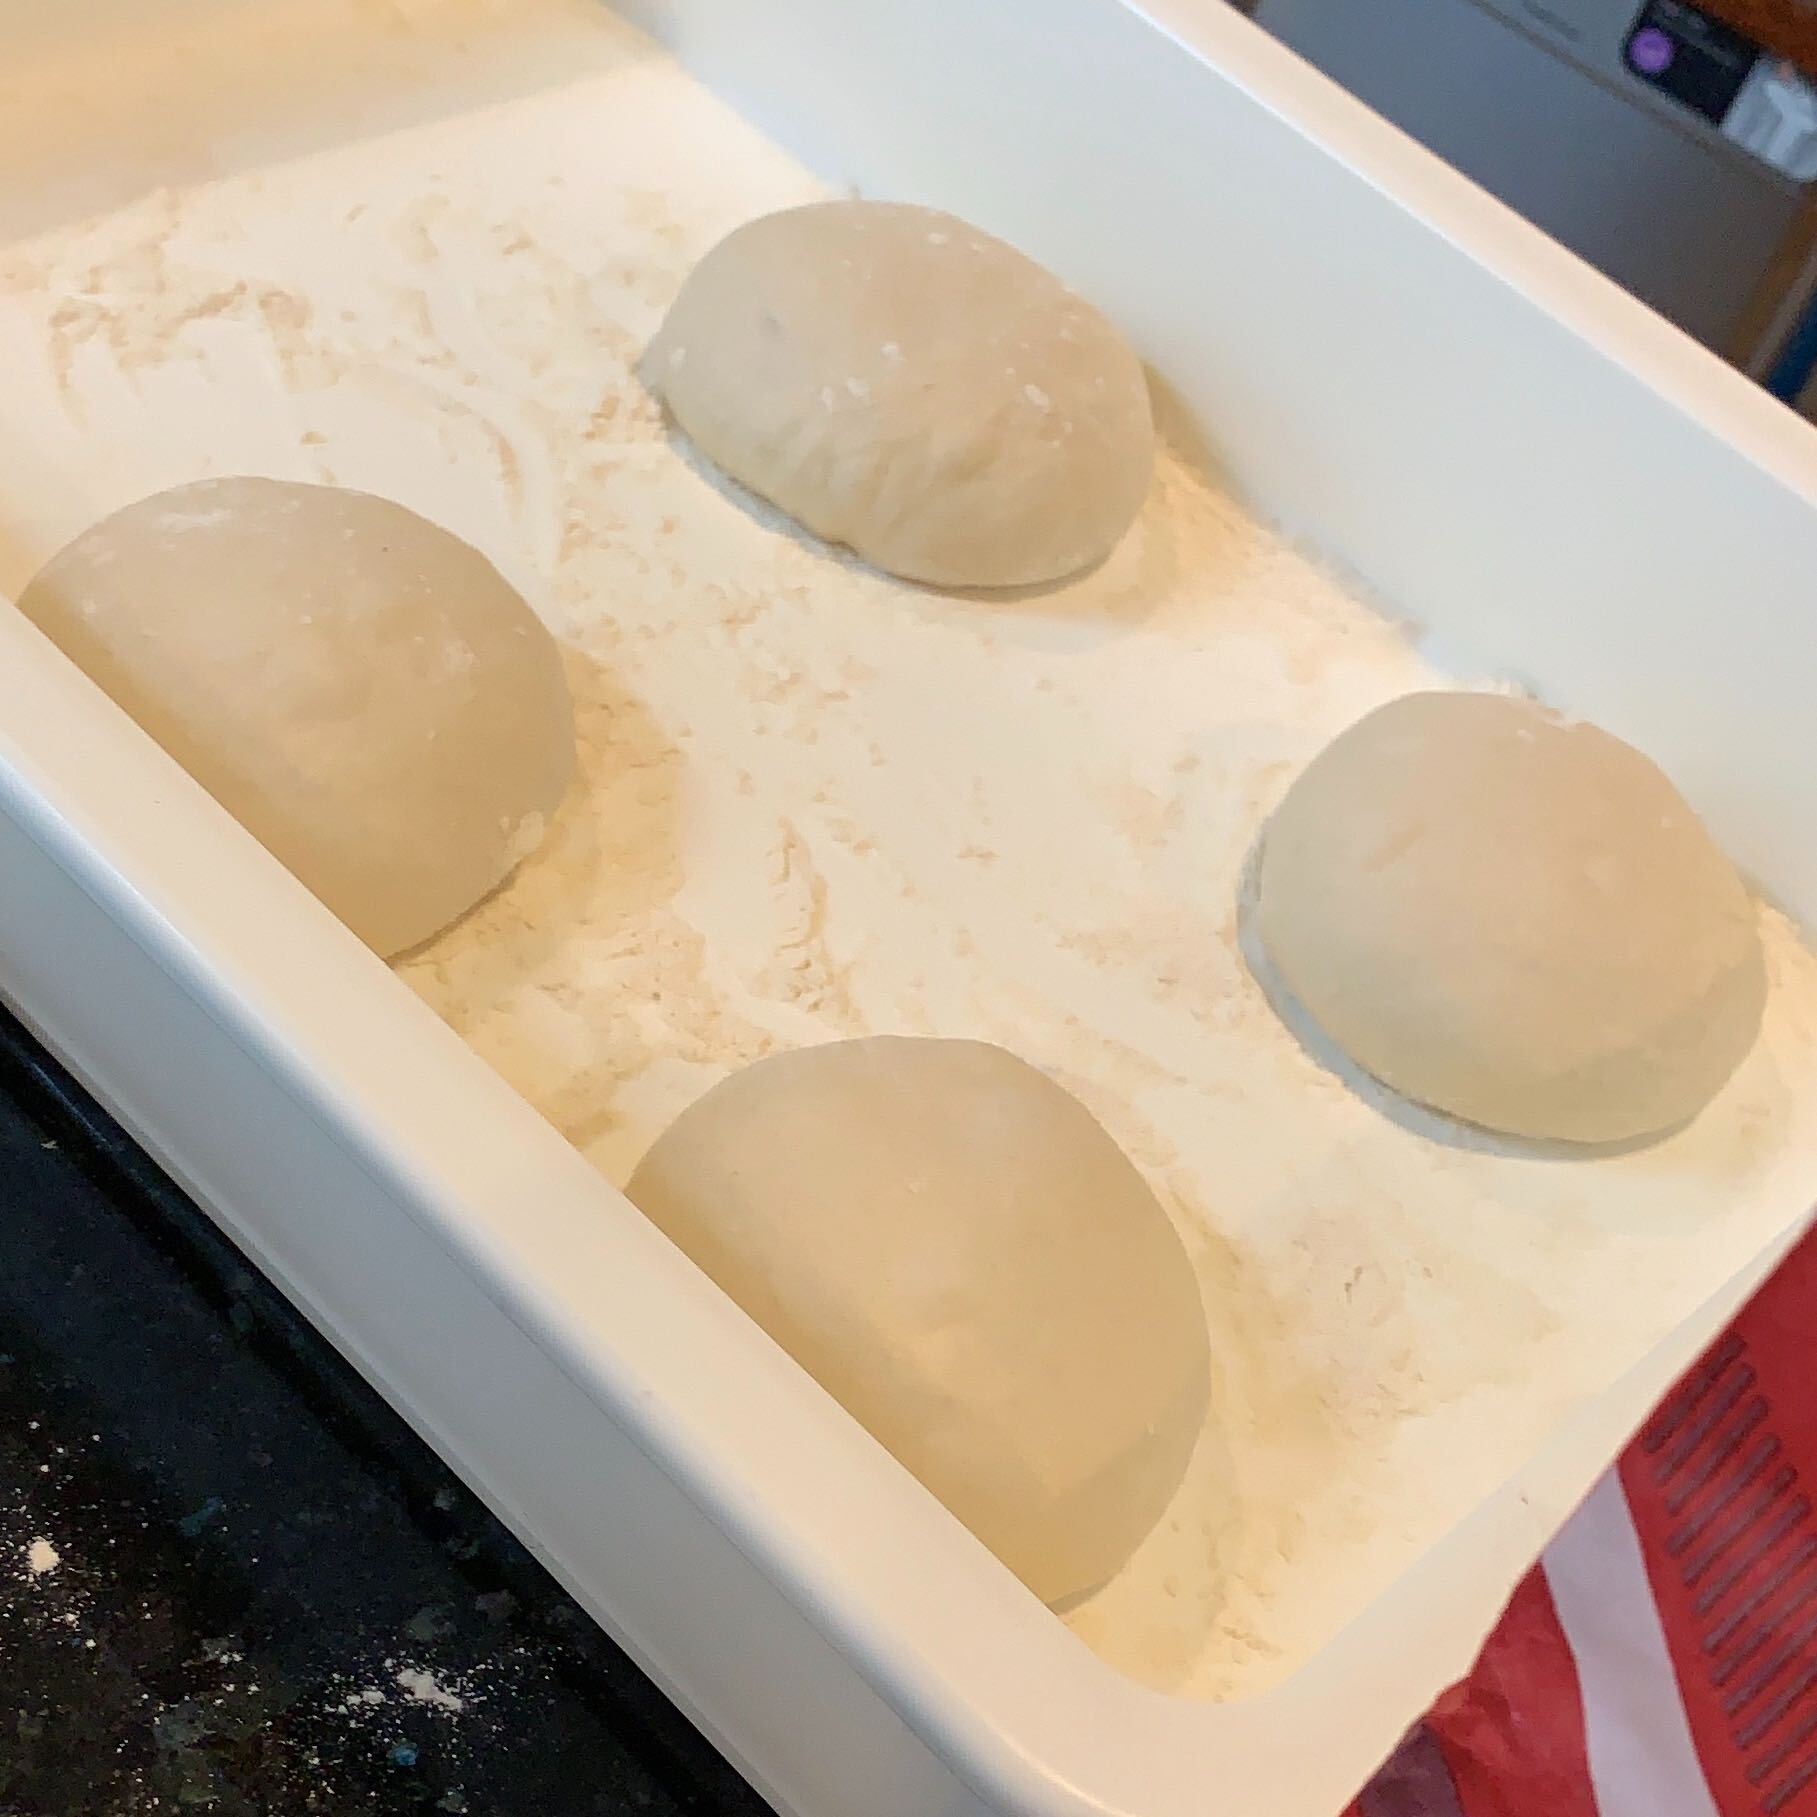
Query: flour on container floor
pixel 817 803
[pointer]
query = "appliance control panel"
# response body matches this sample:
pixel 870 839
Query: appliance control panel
pixel 1712 78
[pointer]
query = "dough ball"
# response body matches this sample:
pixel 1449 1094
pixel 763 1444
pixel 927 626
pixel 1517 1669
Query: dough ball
pixel 1512 918
pixel 359 688
pixel 910 387
pixel 951 1245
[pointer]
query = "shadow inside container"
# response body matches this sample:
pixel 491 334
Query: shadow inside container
pixel 1417 1119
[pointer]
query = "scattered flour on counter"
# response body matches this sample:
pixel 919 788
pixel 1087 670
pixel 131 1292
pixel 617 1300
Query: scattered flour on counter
pixel 417 1684
pixel 421 1686
pixel 375 1698
pixel 51 1583
pixel 816 803
pixel 399 1706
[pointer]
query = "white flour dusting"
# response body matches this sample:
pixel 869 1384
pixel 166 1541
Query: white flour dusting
pixel 421 1686
pixel 410 1684
pixel 817 803
pixel 53 1585
pixel 395 1685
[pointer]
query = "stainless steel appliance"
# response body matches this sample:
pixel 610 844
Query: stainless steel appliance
pixel 1663 146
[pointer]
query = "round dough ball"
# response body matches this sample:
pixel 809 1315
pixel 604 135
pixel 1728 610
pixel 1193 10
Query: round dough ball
pixel 1513 918
pixel 356 686
pixel 908 386
pixel 952 1247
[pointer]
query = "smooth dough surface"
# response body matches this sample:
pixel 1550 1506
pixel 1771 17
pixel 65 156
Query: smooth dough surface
pixel 359 688
pixel 1513 918
pixel 910 387
pixel 953 1247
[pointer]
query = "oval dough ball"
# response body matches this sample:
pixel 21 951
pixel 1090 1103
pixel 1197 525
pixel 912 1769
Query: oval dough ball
pixel 1512 918
pixel 358 687
pixel 951 1245
pixel 908 386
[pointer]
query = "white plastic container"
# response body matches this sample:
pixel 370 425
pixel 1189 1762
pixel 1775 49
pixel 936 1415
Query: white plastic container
pixel 1393 366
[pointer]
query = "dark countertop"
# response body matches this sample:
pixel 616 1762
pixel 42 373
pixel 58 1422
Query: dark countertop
pixel 231 1579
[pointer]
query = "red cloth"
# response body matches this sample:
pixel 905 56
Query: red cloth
pixel 1661 1659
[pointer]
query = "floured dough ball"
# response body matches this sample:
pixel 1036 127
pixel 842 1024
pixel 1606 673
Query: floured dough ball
pixel 951 1245
pixel 1513 918
pixel 359 688
pixel 908 386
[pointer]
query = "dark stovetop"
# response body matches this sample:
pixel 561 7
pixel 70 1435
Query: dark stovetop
pixel 231 1579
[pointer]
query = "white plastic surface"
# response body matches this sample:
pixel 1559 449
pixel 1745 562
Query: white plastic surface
pixel 1495 438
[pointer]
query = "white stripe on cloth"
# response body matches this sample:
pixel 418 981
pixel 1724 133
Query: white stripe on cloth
pixel 1643 1762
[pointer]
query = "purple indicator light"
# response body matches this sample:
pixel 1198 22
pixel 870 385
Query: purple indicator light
pixel 1650 51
